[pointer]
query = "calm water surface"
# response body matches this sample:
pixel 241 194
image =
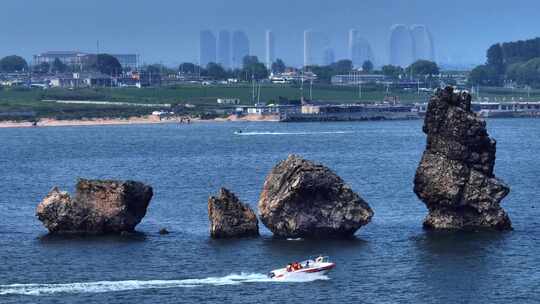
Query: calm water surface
pixel 391 260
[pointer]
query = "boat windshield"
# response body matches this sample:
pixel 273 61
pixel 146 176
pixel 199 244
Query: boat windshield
pixel 323 259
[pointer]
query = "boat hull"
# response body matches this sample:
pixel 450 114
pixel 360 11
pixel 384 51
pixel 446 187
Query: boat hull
pixel 322 268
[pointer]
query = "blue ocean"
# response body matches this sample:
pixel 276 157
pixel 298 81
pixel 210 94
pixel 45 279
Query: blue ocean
pixel 391 260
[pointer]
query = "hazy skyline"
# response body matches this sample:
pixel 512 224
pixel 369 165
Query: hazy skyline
pixel 168 31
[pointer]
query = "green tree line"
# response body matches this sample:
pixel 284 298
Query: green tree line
pixel 517 62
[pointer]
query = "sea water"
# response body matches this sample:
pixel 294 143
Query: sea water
pixel 390 260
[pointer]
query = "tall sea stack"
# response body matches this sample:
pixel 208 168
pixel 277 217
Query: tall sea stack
pixel 455 177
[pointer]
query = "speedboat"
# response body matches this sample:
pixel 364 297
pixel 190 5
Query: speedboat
pixel 320 264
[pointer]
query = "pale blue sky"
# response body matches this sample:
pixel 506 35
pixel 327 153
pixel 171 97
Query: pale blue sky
pixel 167 30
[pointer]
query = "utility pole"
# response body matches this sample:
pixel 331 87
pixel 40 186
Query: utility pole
pixel 359 85
pixel 302 87
pixel 259 94
pixel 253 88
pixel 311 89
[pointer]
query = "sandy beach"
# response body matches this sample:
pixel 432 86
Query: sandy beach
pixel 49 122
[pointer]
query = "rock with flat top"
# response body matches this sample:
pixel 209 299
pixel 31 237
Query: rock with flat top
pixel 99 207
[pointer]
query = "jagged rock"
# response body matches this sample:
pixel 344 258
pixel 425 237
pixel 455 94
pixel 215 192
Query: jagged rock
pixel 455 176
pixel 303 199
pixel 99 206
pixel 230 218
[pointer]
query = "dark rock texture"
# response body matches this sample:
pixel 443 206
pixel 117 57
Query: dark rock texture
pixel 303 199
pixel 99 206
pixel 455 177
pixel 230 218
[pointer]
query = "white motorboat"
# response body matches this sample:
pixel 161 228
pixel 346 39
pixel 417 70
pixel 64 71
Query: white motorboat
pixel 320 264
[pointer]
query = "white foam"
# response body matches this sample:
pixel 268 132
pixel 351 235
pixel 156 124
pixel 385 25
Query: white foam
pixel 291 133
pixel 112 286
pixel 295 239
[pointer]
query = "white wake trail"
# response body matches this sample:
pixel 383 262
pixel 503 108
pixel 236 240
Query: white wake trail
pixel 291 133
pixel 113 286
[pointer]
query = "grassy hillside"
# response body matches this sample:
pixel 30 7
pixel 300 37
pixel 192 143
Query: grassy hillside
pixel 204 97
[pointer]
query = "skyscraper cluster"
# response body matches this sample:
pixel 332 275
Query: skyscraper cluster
pixel 408 44
pixel 225 49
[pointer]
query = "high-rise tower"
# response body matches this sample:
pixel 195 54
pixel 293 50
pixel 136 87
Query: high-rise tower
pixel 401 46
pixel 224 49
pixel 270 49
pixel 359 49
pixel 240 48
pixel 315 45
pixel 423 47
pixel 207 48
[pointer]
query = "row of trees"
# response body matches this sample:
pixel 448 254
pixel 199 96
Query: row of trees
pixel 253 68
pixel 12 64
pixel 517 62
pixel 103 63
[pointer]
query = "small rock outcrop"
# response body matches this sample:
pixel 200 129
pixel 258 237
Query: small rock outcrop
pixel 99 206
pixel 303 199
pixel 455 177
pixel 230 218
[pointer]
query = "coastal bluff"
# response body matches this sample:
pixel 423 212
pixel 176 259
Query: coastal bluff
pixel 455 178
pixel 99 207
pixel 230 218
pixel 303 199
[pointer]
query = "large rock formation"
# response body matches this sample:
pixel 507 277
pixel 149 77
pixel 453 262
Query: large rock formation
pixel 99 206
pixel 455 177
pixel 231 218
pixel 304 199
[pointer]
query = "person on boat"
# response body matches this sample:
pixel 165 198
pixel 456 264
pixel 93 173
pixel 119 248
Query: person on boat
pixel 289 267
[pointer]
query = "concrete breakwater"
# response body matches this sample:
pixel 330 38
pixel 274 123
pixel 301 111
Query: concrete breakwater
pixel 351 113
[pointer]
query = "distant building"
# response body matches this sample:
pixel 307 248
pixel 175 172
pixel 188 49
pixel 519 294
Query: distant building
pixel 292 76
pixel 82 80
pixel 356 78
pixel 270 49
pixel 224 49
pixel 423 47
pixel 127 61
pixel 315 44
pixel 329 56
pixel 240 48
pixel 76 58
pixel 401 46
pixel 207 48
pixel 359 49
pixel 228 101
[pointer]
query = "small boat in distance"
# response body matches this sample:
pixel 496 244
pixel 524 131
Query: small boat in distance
pixel 320 264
